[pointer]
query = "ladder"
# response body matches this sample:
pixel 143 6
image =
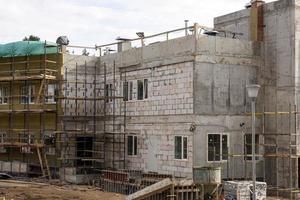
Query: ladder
pixel 43 161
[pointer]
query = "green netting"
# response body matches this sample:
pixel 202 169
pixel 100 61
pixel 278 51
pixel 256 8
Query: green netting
pixel 23 48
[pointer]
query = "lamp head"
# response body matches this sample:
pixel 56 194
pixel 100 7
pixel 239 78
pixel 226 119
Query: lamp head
pixel 253 90
pixel 140 34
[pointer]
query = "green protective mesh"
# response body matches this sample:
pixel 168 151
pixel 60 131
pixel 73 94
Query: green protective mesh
pixel 24 48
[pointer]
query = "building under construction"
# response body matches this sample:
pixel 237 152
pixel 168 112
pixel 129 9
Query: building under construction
pixel 163 103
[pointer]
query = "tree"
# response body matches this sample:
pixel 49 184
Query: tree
pixel 31 38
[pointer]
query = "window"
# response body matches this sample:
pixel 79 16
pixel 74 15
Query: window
pixel 130 90
pixel 142 86
pixel 248 146
pixel 146 88
pixel 4 94
pixel 2 140
pixel 51 94
pixel 108 92
pixel 29 139
pixel 217 147
pixel 132 145
pixel 49 142
pixel 180 147
pixel 27 93
pixel 127 90
pixel 84 151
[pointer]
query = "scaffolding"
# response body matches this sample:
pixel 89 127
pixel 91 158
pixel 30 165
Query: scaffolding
pixel 82 120
pixel 106 125
pixel 93 120
pixel 88 130
pixel 276 152
pixel 26 107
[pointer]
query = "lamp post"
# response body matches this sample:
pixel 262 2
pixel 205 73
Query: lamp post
pixel 252 91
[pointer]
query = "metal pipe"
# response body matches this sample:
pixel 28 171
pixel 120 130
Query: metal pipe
pixel 186 26
pixel 253 150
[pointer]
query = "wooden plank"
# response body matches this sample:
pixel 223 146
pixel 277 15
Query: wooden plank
pixel 27 110
pixel 14 183
pixel 32 77
pixel 151 190
pixel 41 161
pixel 47 165
pixel 29 61
pixel 40 91
pixel 19 144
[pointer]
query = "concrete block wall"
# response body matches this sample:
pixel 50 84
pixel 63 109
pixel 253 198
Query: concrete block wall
pixel 236 167
pixel 69 87
pixel 187 77
pixel 156 145
pixel 170 90
pixel 278 77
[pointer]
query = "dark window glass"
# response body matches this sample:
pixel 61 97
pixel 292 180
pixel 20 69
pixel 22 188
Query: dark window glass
pixel 146 88
pixel 184 148
pixel 224 147
pixel 84 150
pixel 131 145
pixel 214 147
pixel 140 92
pixel 130 90
pixel 248 146
pixel 135 145
pixel 178 147
pixel 106 92
pixel 125 91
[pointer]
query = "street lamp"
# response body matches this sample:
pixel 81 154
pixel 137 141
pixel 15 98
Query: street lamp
pixel 252 91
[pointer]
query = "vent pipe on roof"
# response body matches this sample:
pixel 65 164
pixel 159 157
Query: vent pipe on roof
pixel 62 42
pixel 257 20
pixel 186 26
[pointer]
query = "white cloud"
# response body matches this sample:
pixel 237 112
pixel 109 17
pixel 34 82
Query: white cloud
pixel 92 22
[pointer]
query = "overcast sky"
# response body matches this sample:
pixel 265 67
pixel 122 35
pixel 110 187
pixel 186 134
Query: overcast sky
pixel 90 22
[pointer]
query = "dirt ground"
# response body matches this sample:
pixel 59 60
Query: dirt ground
pixel 19 190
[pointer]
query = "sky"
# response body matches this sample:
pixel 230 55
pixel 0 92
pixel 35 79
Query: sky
pixel 90 22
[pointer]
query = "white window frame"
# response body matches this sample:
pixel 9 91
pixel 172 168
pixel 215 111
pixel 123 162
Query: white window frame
pixel 29 94
pixel 221 147
pixel 4 95
pixel 144 89
pixel 129 90
pixel 50 97
pixel 182 148
pixel 30 140
pixel 134 153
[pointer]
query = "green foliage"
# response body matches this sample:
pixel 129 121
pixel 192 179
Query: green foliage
pixel 31 38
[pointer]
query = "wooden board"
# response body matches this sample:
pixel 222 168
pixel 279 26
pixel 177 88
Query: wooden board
pixel 152 189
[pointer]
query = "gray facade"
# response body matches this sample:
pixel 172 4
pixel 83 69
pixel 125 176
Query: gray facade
pixel 196 87
pixel 196 98
pixel 278 77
